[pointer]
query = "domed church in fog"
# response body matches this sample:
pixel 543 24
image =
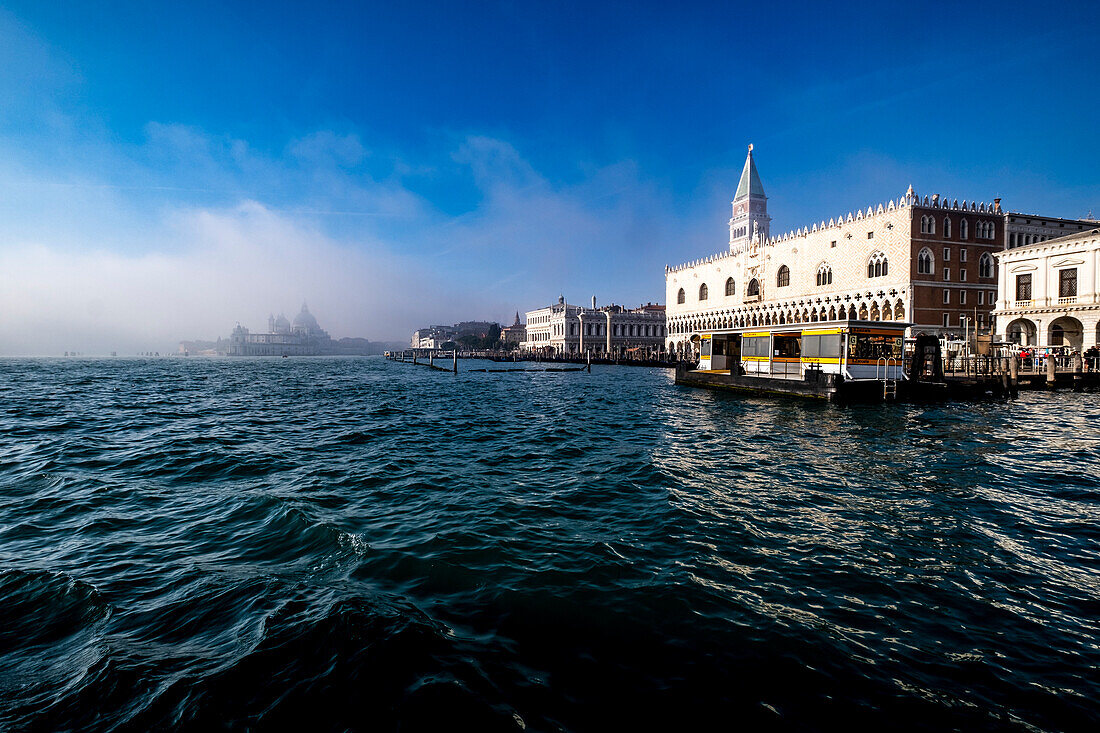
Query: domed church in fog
pixel 303 337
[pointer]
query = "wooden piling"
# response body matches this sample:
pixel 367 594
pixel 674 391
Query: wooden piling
pixel 1051 371
pixel 454 364
pixel 1078 373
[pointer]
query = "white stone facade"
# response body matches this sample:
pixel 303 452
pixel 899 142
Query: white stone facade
pixel 1024 229
pixel 812 274
pixel 1049 293
pixel 562 329
pixel 304 337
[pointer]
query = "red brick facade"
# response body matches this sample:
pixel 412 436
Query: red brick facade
pixel 956 241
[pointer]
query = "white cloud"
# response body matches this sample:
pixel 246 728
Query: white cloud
pixel 186 233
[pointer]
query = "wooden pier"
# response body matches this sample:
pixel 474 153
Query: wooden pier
pixel 418 357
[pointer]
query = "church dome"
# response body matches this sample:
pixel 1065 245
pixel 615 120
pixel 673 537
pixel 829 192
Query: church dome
pixel 306 320
pixel 282 325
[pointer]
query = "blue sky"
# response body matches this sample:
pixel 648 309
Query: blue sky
pixel 169 168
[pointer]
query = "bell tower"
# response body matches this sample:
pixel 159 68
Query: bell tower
pixel 750 208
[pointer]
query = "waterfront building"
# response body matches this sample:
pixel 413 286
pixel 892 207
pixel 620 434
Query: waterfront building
pixel 514 334
pixel 562 329
pixel 1024 229
pixel 927 260
pixel 1050 292
pixel 434 337
pixel 303 337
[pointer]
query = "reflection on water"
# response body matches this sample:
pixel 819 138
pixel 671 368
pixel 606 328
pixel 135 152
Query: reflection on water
pixel 355 544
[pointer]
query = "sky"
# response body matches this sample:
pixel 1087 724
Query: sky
pixel 169 169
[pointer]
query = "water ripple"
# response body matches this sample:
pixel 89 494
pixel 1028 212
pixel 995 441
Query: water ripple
pixel 349 544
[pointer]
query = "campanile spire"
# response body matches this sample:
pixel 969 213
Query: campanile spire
pixel 750 207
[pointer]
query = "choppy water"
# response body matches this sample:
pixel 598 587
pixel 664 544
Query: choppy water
pixel 353 544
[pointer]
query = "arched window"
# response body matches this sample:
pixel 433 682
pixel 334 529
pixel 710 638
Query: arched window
pixel 946 227
pixel 877 266
pixel 926 265
pixel 783 278
pixel 703 291
pixel 681 296
pixel 731 286
pixel 824 274
pixel 985 265
pixel 964 229
pixel 928 225
pixel 753 289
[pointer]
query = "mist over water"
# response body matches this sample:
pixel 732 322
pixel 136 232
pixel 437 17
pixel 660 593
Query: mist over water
pixel 355 544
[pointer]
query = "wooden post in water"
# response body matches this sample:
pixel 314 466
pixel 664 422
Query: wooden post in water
pixel 1051 367
pixel 454 363
pixel 589 352
pixel 1078 373
pixel 431 358
pixel 1013 372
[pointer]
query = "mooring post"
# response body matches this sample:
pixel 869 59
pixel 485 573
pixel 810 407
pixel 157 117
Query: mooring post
pixel 454 361
pixel 589 352
pixel 1051 367
pixel 431 358
pixel 1078 373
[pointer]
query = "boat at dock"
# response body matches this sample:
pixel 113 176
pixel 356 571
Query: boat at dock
pixel 837 361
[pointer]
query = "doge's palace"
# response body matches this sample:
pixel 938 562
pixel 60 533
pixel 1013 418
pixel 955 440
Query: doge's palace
pixel 928 261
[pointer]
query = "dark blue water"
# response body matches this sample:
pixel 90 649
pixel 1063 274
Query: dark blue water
pixel 338 544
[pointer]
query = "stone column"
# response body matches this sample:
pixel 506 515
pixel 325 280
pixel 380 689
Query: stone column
pixel 580 332
pixel 607 350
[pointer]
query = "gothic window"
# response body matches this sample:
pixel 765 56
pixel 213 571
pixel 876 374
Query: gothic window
pixel 946 227
pixel 703 291
pixel 985 265
pixel 824 275
pixel 783 278
pixel 964 229
pixel 754 288
pixel 877 266
pixel 731 286
pixel 680 297
pixel 925 265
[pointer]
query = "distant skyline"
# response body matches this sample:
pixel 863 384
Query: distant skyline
pixel 168 169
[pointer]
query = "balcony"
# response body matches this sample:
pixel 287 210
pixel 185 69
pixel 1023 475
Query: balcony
pixel 1070 300
pixel 1023 304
